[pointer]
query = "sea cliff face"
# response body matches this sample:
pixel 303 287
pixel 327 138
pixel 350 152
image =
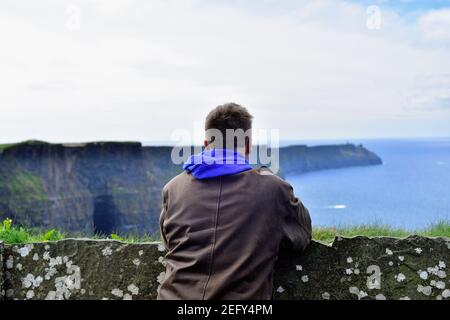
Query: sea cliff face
pixel 110 187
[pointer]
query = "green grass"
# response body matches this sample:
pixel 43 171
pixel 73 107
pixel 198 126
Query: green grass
pixel 12 234
pixel 327 235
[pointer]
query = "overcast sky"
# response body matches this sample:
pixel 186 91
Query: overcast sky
pixel 137 70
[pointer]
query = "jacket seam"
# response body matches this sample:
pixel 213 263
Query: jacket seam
pixel 213 244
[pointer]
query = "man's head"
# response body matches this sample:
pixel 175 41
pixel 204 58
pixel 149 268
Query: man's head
pixel 229 126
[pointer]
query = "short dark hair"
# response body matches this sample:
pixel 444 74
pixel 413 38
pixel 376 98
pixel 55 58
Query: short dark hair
pixel 229 116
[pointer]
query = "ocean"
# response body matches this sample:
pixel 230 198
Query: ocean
pixel 410 190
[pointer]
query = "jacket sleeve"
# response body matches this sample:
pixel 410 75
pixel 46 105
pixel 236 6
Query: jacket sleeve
pixel 296 222
pixel 162 218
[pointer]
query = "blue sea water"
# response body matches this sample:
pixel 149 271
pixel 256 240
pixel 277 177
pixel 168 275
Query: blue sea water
pixel 410 190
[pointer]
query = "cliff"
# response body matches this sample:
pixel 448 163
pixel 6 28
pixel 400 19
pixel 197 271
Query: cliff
pixel 352 268
pixel 115 187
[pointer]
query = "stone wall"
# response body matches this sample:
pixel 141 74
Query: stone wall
pixel 356 268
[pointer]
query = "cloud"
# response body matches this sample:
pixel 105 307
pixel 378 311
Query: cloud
pixel 432 93
pixel 137 70
pixel 435 26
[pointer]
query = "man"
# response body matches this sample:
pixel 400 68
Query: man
pixel 223 223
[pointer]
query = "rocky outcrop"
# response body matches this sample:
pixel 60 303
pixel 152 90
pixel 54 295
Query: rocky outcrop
pixel 108 187
pixel 356 268
pixel 301 159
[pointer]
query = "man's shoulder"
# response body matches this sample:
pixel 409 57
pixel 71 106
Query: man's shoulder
pixel 177 180
pixel 270 178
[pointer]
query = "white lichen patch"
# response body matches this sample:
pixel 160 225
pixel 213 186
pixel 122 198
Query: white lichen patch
pixel 400 277
pixel 405 298
pixel 136 262
pixel 30 294
pixel 31 281
pixel 348 271
pixel 390 263
pixel 117 292
pixel 349 260
pixel 50 272
pixel 107 251
pixel 440 285
pixel 446 293
pixel 47 247
pixel 10 262
pixel 423 275
pixel 65 285
pixel 19 266
pixel 326 296
pixel 427 290
pixel 133 289
pixel 442 265
pixel 380 296
pixel 418 250
pixel 51 295
pixel 127 296
pixel 305 278
pixel 141 252
pixel 389 252
pixel 280 289
pixel 360 293
pixel 25 250
pixel 162 261
pixel 57 261
pixel 441 274
pixel 401 258
pixel 35 257
pixel 433 270
pixel 298 267
pixel 161 277
pixel 356 271
pixel 161 248
pixel 46 255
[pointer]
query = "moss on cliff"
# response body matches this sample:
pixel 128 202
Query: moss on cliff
pixel 23 185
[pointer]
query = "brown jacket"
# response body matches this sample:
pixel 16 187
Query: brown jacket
pixel 222 235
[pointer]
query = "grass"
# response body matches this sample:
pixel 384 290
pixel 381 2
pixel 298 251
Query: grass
pixel 327 235
pixel 13 234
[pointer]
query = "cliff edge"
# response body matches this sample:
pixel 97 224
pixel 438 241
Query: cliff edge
pixel 108 187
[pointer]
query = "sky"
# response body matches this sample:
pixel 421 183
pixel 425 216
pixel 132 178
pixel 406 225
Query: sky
pixel 74 71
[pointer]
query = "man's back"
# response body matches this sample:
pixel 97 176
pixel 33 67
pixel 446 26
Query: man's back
pixel 223 234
